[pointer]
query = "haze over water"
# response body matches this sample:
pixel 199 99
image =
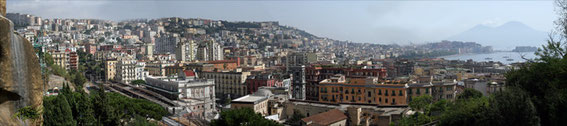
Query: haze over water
pixel 496 56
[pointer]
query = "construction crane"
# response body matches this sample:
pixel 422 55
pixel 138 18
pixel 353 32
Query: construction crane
pixel 40 50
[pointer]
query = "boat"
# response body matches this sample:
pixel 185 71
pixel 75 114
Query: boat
pixel 509 59
pixel 506 57
pixel 488 58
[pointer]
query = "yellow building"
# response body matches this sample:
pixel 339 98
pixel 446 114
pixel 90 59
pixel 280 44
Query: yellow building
pixel 418 89
pixel 339 89
pixel 110 69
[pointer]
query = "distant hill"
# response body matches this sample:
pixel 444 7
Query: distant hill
pixel 503 37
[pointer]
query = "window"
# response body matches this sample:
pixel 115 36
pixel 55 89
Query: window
pixel 401 94
pixel 393 93
pixel 380 99
pixel 386 100
pixel 409 90
pixel 386 92
pixel 394 101
pixel 418 91
pixel 369 94
pixel 379 92
pixel 346 91
pixel 426 90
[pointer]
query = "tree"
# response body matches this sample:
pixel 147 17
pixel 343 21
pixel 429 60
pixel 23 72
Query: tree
pixel 465 112
pixel 48 59
pixel 296 117
pixel 105 114
pixel 545 78
pixel 413 120
pixel 421 102
pixel 79 79
pixel 242 116
pixel 84 110
pixel 512 107
pixel 469 93
pixel 138 82
pixel 141 121
pixel 438 107
pixel 57 112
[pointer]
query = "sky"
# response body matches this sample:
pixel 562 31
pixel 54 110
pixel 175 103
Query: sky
pixel 368 21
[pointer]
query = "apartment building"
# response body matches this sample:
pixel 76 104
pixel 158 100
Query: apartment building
pixel 339 89
pixel 228 83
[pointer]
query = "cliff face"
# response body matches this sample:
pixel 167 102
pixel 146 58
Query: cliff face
pixel 20 76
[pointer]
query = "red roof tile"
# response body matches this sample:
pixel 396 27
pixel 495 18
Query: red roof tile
pixel 189 73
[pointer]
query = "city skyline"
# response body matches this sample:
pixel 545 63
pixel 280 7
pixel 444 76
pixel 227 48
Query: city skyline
pixel 381 22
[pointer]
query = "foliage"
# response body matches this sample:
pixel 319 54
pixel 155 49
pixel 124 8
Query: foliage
pixel 59 71
pixel 296 117
pixel 129 107
pixel 110 109
pixel 27 112
pixel 48 59
pixel 545 81
pixel 465 112
pixel 508 107
pixel 79 79
pixel 138 82
pixel 421 102
pixel 141 121
pixel 105 113
pixel 57 112
pixel 512 107
pixel 412 120
pixel 242 116
pixel 469 93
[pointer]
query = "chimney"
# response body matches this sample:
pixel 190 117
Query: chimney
pixel 3 7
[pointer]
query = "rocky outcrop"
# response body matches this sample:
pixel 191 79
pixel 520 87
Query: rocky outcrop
pixel 3 7
pixel 20 75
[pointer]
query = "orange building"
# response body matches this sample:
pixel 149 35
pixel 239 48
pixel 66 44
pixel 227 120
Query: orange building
pixel 225 64
pixel 339 89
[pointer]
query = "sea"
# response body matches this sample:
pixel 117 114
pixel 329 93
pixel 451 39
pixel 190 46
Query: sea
pixel 502 57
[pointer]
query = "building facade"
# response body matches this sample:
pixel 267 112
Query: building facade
pixel 228 83
pixel 196 96
pixel 125 70
pixel 339 89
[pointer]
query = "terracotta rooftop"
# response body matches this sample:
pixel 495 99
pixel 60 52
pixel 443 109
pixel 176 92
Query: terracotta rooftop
pixel 189 73
pixel 325 118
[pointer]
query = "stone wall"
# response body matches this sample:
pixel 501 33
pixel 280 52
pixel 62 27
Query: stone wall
pixel 3 7
pixel 14 95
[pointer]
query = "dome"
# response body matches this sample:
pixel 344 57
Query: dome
pixel 263 92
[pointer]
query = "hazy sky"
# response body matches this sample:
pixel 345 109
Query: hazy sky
pixel 385 22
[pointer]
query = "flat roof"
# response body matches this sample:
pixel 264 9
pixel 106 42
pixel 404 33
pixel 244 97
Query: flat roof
pixel 249 99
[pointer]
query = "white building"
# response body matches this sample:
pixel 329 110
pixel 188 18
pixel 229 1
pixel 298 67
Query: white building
pixel 141 74
pixel 195 96
pixel 186 51
pixel 210 51
pixel 125 70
